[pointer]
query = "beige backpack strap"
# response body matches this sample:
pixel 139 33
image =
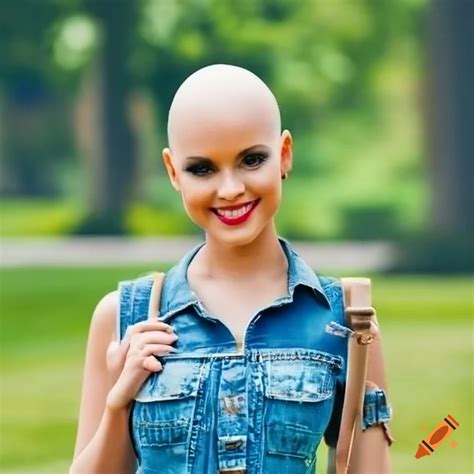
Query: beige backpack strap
pixel 358 313
pixel 155 295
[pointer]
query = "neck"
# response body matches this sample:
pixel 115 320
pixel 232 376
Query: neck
pixel 264 257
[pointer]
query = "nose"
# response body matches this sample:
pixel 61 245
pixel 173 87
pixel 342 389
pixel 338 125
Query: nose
pixel 230 187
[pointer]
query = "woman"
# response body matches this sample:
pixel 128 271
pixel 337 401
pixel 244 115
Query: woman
pixel 238 374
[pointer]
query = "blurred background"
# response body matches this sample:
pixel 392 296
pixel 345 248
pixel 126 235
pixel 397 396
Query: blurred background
pixel 379 97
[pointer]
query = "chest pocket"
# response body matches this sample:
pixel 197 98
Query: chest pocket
pixel 163 410
pixel 299 394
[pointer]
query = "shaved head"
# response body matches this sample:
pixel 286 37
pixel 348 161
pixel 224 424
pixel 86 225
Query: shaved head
pixel 220 99
pixel 226 147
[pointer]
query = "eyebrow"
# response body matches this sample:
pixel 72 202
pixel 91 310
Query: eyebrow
pixel 239 155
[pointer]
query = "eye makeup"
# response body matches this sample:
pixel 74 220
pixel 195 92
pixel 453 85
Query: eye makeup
pixel 204 166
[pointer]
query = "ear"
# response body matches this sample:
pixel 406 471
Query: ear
pixel 286 151
pixel 168 160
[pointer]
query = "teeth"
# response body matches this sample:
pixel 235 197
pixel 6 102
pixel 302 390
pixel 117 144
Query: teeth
pixel 235 213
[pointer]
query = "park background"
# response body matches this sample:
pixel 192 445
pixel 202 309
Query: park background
pixel 378 96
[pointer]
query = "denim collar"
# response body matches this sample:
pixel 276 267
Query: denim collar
pixel 177 294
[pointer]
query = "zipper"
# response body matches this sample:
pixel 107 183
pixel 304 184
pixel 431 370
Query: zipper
pixel 205 314
pixel 282 300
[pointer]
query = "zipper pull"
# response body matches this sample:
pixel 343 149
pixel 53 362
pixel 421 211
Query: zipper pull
pixel 337 329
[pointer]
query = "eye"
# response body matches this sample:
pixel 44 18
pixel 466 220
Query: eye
pixel 199 169
pixel 255 159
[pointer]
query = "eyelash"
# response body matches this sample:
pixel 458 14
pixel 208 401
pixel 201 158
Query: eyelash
pixel 194 169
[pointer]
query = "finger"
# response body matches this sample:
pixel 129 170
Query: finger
pixel 144 326
pixel 138 330
pixel 152 364
pixel 149 325
pixel 112 354
pixel 114 361
pixel 157 349
pixel 153 337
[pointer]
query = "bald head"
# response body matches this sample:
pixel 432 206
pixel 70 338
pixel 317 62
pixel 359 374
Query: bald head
pixel 221 100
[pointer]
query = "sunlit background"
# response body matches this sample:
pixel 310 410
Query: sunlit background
pixel 379 98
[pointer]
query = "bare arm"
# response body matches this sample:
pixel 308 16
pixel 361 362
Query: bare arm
pixel 370 453
pixel 103 442
pixel 370 450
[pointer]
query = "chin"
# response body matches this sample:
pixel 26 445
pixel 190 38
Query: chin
pixel 234 237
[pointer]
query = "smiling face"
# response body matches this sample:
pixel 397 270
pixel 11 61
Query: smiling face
pixel 226 151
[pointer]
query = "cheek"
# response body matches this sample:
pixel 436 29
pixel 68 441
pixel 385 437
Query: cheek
pixel 267 185
pixel 195 196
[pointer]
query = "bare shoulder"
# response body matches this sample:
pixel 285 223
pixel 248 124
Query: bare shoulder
pixel 105 313
pixel 107 305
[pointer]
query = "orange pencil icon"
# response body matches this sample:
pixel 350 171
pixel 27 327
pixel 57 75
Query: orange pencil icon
pixel 436 437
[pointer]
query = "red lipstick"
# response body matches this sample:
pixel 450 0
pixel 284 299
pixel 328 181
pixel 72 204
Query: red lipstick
pixel 235 220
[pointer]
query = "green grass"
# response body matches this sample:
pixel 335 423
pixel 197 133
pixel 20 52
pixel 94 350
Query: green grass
pixel 426 327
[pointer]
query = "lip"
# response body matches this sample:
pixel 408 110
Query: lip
pixel 231 208
pixel 236 220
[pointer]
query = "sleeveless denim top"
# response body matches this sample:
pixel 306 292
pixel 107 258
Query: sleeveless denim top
pixel 266 409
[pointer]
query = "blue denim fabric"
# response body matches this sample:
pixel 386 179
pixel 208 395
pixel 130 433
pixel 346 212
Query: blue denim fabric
pixel 376 408
pixel 264 410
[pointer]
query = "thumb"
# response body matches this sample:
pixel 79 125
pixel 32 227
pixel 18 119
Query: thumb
pixel 151 364
pixel 114 357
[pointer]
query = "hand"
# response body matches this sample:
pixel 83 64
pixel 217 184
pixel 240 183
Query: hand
pixel 130 362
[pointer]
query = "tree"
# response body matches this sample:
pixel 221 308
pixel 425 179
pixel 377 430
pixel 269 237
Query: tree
pixel 113 162
pixel 450 115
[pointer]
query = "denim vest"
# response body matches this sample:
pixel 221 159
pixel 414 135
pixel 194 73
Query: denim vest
pixel 264 410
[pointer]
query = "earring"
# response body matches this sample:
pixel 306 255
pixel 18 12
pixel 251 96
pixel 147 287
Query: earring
pixel 284 176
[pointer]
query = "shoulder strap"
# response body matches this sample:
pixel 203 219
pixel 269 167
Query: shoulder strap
pixel 155 295
pixel 358 313
pixel 139 300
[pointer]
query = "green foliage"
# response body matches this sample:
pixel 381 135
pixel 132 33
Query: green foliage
pixel 146 220
pixel 42 217
pixel 345 76
pixel 37 217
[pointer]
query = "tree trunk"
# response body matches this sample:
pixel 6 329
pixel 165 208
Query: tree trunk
pixel 450 116
pixel 445 245
pixel 114 166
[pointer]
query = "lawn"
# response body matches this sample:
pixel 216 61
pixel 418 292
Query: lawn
pixel 427 331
